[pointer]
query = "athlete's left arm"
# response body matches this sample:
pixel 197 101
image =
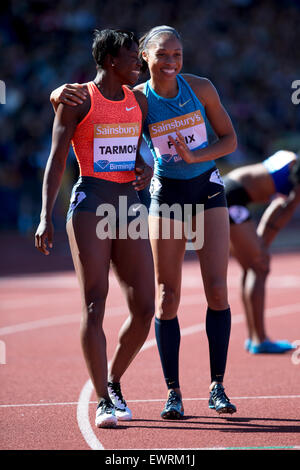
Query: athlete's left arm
pixel 69 93
pixel 219 120
pixel 277 215
pixel 143 171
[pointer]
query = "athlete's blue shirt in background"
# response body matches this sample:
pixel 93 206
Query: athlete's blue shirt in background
pixel 164 116
pixel 278 165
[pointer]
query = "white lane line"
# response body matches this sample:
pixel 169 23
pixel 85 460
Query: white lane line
pixel 122 310
pixel 36 301
pixel 69 281
pixel 146 400
pixel 82 415
pixel 259 397
pixel 83 418
pixel 43 323
pixel 65 319
pixel 53 321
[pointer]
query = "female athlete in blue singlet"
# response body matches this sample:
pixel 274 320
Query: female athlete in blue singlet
pixel 185 176
pixel 185 180
pixel 277 177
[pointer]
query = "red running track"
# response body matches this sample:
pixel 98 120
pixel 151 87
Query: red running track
pixel 47 401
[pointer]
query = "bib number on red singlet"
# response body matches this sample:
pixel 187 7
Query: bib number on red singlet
pixel 115 146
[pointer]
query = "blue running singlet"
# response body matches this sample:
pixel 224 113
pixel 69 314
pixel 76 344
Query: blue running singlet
pixel 184 113
pixel 278 165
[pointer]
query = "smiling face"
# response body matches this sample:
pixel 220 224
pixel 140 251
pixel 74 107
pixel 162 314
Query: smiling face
pixel 126 65
pixel 164 56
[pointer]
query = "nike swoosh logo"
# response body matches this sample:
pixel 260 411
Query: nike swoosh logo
pixel 213 195
pixel 183 104
pixel 136 208
pixel 129 109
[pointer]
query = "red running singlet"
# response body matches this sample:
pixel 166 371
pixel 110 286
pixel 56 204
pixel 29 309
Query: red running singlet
pixel 105 141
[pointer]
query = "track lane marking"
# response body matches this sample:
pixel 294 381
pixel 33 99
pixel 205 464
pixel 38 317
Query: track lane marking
pixel 85 426
pixel 82 413
pixel 65 319
pixel 148 400
pixel 119 310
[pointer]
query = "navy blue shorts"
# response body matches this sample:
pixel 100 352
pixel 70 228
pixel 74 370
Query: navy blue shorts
pixel 104 197
pixel 191 196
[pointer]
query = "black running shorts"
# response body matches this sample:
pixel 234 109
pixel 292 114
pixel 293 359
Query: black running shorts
pixel 104 197
pixel 172 197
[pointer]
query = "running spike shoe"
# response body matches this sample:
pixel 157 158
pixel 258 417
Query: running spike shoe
pixel 173 408
pixel 105 415
pixel 219 401
pixel 123 413
pixel 269 347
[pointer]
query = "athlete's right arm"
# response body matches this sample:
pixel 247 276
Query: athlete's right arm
pixel 69 93
pixel 65 122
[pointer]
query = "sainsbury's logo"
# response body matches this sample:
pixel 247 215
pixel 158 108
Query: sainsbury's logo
pixel 131 129
pixel 178 123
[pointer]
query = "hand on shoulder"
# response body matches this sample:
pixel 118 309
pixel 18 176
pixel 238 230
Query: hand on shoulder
pixel 69 93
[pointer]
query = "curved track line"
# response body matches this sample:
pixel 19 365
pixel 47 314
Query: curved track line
pixel 85 395
pixel 83 417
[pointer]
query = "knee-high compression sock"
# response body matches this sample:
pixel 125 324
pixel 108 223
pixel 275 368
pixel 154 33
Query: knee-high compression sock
pixel 167 334
pixel 218 325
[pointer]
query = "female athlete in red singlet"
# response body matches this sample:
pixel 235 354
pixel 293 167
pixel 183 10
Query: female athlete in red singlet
pixel 105 131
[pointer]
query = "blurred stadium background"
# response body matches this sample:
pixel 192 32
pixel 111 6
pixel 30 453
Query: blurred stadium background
pixel 249 49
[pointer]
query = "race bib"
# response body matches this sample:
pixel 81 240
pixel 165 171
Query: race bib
pixel 191 126
pixel 115 146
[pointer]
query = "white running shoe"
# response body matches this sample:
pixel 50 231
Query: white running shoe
pixel 105 415
pixel 123 413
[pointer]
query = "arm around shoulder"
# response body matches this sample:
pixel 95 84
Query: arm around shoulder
pixel 142 101
pixel 69 93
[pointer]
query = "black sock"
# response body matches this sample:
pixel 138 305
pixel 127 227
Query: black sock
pixel 218 325
pixel 167 334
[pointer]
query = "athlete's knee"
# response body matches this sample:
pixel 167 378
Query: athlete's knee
pixel 93 310
pixel 169 298
pixel 261 264
pixel 142 306
pixel 147 312
pixel 217 294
